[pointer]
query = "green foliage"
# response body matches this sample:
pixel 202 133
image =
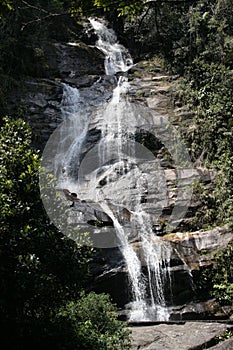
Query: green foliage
pixel 26 27
pixel 223 276
pixel 207 90
pixel 206 216
pixel 93 321
pixel 5 7
pixel 217 281
pixel 42 273
pixel 18 171
pixel 209 95
pixel 206 29
pixel 157 29
pixel 40 269
pixel 226 335
pixel 124 8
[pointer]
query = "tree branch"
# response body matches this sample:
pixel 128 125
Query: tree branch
pixel 34 7
pixel 50 15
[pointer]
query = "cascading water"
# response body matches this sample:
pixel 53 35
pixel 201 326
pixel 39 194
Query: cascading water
pixel 122 183
pixel 156 254
pixel 117 58
pixel 72 136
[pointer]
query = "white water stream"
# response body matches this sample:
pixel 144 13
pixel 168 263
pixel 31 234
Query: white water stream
pixel 117 58
pixel 148 260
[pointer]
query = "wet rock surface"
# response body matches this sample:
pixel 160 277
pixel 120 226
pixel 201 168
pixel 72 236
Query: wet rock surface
pixel 183 268
pixel 187 336
pixel 38 99
pixel 153 89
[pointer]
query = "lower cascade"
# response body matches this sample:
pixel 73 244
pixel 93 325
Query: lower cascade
pixel 118 178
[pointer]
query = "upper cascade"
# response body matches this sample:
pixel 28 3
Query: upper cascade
pixel 117 57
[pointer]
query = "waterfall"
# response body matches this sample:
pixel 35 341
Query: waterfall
pixel 112 146
pixel 133 265
pixel 117 58
pixel 117 176
pixel 115 144
pixel 78 125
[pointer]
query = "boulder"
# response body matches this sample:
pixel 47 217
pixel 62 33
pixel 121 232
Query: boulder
pixel 184 336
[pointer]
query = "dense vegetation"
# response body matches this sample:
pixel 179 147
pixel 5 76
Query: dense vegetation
pixel 217 282
pixel 42 272
pixel 207 90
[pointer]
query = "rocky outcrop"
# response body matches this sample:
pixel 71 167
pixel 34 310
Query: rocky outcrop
pixel 38 98
pixel 189 253
pixel 75 63
pixel 186 336
pixel 196 247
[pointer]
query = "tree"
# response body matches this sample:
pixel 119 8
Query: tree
pixel 207 90
pixel 43 273
pixel 40 270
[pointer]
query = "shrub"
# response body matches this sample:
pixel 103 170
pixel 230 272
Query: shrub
pixel 217 280
pixel 91 323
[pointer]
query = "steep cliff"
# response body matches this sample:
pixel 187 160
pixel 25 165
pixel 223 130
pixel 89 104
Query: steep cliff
pixel 39 100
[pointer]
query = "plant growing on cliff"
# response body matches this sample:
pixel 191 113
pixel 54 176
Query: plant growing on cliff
pixel 222 282
pixel 207 91
pixel 217 281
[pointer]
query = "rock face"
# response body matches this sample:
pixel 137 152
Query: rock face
pixel 75 63
pixel 82 67
pixel 109 275
pixel 196 247
pixel 154 89
pixel 186 336
pixel 38 99
pixel 190 251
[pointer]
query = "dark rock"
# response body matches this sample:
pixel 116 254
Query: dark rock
pixel 109 275
pixel 182 285
pixel 204 310
pixel 73 60
pixel 224 345
pixel 38 99
pixel 80 82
